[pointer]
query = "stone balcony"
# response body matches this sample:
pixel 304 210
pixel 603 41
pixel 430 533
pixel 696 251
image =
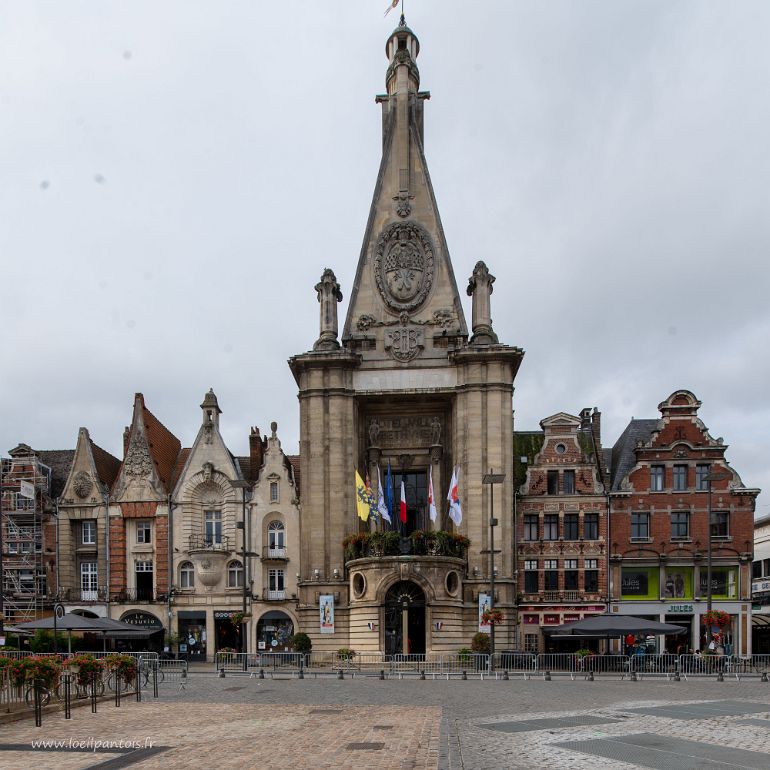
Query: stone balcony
pixel 419 544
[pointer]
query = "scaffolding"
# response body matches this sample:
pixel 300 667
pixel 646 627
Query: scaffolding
pixel 25 484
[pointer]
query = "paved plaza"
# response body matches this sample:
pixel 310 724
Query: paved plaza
pixel 241 722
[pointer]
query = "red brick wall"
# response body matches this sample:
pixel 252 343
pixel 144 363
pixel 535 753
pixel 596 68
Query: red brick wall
pixel 117 555
pixel 161 554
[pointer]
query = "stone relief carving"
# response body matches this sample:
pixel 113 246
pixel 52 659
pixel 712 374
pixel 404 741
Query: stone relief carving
pixel 405 343
pixel 374 431
pixel 403 207
pixel 442 318
pixel 82 484
pixel 435 427
pixel 396 432
pixel 138 462
pixel 404 265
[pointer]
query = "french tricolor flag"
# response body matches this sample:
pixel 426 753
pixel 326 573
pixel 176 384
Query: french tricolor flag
pixel 402 504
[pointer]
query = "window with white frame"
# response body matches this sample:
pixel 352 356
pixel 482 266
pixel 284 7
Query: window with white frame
pixel 276 585
pixel 186 575
pixel 273 491
pixel 531 642
pixel 657 478
pixel 213 527
pixel 89 581
pixel 530 576
pixel 144 532
pixel 276 540
pixel 235 574
pixel 701 477
pixel 88 532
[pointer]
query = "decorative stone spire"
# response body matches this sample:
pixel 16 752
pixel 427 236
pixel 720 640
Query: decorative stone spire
pixel 211 410
pixel 480 288
pixel 329 295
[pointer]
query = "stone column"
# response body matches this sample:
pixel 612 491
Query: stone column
pixel 480 288
pixel 329 295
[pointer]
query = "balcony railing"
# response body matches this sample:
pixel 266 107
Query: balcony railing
pixel 70 594
pixel 273 596
pixel 134 595
pixel 375 544
pixel 204 543
pixel 274 553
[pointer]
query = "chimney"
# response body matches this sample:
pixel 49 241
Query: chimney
pixel 585 418
pixel 256 453
pixel 596 427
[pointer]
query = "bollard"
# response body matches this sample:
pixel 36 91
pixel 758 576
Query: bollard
pixel 118 688
pixel 38 695
pixel 382 674
pixel 183 681
pixel 764 676
pixel 300 674
pixel 547 677
pixel 505 676
pixel 138 686
pixel 677 678
pixel 720 677
pixel 465 675
pixel 222 673
pixel 261 673
pixel 155 679
pixel 422 675
pixel 633 677
pixel 590 676
pixel 340 675
pixel 67 696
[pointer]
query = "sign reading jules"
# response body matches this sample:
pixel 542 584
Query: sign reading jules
pixel 634 583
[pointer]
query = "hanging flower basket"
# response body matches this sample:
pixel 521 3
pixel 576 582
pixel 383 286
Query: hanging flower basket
pixel 87 668
pixel 492 617
pixel 717 618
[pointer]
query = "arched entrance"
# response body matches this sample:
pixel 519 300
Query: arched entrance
pixel 404 624
pixel 274 630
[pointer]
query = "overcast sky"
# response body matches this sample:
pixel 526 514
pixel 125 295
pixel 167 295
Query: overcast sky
pixel 175 176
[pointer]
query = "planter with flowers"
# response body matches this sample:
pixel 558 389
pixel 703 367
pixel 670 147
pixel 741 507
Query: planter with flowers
pixel 718 618
pixel 492 617
pixel 87 668
pixel 123 666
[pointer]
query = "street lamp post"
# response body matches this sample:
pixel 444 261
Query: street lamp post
pixel 491 479
pixel 710 476
pixel 244 486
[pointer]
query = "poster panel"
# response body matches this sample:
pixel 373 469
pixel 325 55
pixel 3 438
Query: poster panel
pixel 484 604
pixel 326 609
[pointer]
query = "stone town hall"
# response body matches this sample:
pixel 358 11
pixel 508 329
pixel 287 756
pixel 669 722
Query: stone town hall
pixel 183 540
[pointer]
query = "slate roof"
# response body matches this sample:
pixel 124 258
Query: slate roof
pixel 623 454
pixel 60 462
pixel 107 466
pixel 294 461
pixel 164 446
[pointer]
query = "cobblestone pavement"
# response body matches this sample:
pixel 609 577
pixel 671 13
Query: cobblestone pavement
pixel 238 722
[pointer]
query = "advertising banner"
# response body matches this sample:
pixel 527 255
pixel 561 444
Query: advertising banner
pixel 484 604
pixel 326 609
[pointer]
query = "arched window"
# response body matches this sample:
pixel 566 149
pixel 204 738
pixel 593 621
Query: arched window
pixel 235 574
pixel 276 539
pixel 186 575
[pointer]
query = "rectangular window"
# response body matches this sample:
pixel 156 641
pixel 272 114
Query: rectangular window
pixel 756 569
pixel 766 573
pixel 551 526
pixel 553 482
pixel 591 576
pixel 530 526
pixel 213 524
pixel 570 575
pixel 88 532
pixel 531 643
pixel 640 525
pixel 571 526
pixel 530 576
pixel 701 482
pixel 144 580
pixel 276 587
pixel 680 478
pixel 657 478
pixel 273 491
pixel 89 581
pixel 591 526
pixel 551 574
pixel 569 482
pixel 680 525
pixel 720 524
pixel 144 566
pixel 144 532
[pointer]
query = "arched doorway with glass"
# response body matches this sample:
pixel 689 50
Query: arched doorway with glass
pixel 404 624
pixel 274 632
pixel 276 540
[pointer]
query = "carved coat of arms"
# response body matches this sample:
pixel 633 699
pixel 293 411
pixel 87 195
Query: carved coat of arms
pixel 404 266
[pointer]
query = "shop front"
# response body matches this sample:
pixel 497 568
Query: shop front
pixel 227 630
pixel 192 634
pixel 148 622
pixel 538 625
pixel 274 631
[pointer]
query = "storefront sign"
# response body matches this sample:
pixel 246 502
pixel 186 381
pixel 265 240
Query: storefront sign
pixel 484 604
pixel 760 586
pixel 222 615
pixel 531 619
pixel 639 583
pixel 326 610
pixel 634 583
pixel 680 609
pixel 143 619
pixel 551 620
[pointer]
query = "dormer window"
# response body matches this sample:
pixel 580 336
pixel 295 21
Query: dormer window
pixel 273 491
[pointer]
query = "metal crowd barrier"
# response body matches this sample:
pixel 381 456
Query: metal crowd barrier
pixel 245 661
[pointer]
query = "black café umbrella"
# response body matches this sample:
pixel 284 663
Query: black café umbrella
pixel 71 621
pixel 616 625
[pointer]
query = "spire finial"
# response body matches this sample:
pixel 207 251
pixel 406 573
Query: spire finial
pixel 402 22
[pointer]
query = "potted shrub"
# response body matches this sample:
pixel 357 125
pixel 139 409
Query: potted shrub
pixel 481 643
pixel 492 617
pixel 392 542
pixel 346 654
pixel 301 643
pixel 376 543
